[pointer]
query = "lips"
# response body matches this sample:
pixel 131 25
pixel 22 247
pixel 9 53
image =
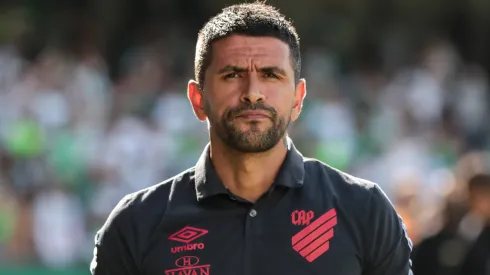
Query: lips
pixel 253 115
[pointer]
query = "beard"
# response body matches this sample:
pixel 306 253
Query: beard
pixel 253 140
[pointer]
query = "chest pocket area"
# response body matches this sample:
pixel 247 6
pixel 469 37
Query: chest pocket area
pixel 305 244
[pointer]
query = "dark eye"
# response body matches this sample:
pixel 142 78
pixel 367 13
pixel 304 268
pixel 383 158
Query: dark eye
pixel 232 75
pixel 271 75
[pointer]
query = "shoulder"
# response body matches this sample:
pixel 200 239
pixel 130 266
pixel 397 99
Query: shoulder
pixel 359 198
pixel 156 197
pixel 146 206
pixel 338 182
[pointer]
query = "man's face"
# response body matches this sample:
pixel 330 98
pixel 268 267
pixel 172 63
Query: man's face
pixel 485 203
pixel 480 201
pixel 249 94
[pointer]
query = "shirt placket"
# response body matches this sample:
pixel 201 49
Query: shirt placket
pixel 251 226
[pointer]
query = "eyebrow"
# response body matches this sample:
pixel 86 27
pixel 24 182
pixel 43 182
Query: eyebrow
pixel 231 68
pixel 236 69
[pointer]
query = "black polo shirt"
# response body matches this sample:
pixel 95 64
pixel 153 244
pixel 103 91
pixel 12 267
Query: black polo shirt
pixel 314 220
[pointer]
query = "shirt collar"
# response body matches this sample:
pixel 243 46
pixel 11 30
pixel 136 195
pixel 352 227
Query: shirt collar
pixel 208 183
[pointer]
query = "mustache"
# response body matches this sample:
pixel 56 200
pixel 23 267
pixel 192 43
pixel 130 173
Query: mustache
pixel 233 112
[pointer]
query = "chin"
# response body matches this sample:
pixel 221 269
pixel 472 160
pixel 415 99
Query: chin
pixel 252 148
pixel 251 129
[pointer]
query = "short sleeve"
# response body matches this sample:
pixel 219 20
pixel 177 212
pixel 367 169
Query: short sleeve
pixel 114 244
pixel 387 245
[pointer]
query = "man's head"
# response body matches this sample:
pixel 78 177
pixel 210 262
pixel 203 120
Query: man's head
pixel 247 69
pixel 479 194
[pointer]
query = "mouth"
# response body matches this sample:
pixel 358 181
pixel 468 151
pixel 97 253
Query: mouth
pixel 253 115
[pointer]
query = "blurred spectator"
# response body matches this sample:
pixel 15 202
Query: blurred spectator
pixel 93 105
pixel 59 229
pixel 463 245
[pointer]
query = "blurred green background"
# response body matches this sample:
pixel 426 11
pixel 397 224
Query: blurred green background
pixel 93 106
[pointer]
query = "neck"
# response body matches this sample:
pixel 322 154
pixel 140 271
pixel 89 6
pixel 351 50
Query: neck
pixel 248 175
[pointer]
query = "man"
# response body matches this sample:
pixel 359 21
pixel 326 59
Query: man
pixel 475 227
pixel 462 247
pixel 252 204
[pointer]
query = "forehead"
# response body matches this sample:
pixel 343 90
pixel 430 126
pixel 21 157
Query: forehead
pixel 250 50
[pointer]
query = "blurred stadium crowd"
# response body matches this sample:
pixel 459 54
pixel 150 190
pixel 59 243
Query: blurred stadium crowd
pixel 80 127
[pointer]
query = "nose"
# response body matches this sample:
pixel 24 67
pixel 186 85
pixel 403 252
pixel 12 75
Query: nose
pixel 252 92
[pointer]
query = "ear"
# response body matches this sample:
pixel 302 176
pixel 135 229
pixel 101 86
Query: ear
pixel 299 97
pixel 195 97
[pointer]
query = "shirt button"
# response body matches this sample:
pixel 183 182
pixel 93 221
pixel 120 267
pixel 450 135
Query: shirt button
pixel 253 213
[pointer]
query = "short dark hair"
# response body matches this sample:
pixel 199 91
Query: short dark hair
pixel 251 19
pixel 479 183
